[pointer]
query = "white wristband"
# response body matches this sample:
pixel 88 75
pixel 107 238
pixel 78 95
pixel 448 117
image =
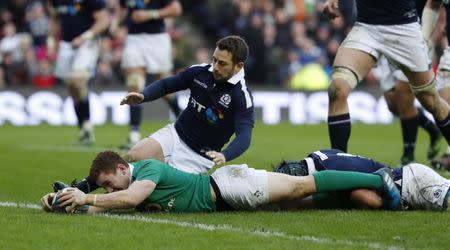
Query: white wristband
pixel 94 202
pixel 154 14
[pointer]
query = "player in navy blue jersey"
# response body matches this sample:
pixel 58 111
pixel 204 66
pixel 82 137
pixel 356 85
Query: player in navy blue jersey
pixel 148 50
pixel 79 23
pixel 220 105
pixel 443 85
pixel 420 187
pixel 383 28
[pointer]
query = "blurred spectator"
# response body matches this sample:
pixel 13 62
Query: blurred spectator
pixel 37 23
pixel 44 77
pixel 13 48
pixel 285 36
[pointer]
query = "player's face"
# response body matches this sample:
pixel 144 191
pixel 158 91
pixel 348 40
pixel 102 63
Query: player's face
pixel 223 66
pixel 113 182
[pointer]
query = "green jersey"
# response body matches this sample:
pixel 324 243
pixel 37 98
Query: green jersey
pixel 175 191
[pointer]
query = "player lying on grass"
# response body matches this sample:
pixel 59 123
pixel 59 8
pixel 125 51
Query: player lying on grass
pixel 420 186
pixel 151 185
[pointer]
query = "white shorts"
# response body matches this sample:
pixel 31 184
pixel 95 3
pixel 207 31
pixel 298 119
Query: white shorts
pixel 403 45
pixel 443 74
pixel 178 154
pixel 243 188
pixel 151 51
pixel 70 60
pixel 388 74
pixel 423 188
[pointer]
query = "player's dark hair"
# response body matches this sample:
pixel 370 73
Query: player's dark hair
pixel 105 162
pixel 236 46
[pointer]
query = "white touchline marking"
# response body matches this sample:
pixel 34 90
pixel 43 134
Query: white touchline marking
pixel 222 227
pixel 62 148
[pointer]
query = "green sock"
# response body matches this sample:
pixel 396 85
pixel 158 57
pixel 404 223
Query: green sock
pixel 332 180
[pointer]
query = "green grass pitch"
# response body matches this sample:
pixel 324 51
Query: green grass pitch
pixel 31 158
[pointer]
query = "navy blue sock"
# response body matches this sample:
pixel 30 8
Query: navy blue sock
pixel 428 125
pixel 409 132
pixel 339 128
pixel 78 112
pixel 82 111
pixel 444 127
pixel 135 117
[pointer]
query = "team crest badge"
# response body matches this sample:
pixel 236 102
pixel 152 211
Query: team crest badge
pixel 225 100
pixel 437 193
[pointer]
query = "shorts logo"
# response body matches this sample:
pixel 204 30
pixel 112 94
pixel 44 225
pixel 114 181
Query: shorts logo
pixel 437 193
pixel 225 100
pixel 213 115
pixel 258 194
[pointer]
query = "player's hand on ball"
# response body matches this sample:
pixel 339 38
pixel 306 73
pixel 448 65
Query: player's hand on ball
pixel 72 197
pixel 132 98
pixel 46 202
pixel 217 157
pixel 331 9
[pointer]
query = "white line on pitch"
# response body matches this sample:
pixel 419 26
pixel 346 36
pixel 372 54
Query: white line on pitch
pixel 224 227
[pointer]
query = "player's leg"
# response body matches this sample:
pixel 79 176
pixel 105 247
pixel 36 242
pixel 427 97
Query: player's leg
pixel 410 53
pixel 74 67
pixel 349 67
pixel 135 81
pixel 283 187
pixel 443 85
pixel 133 65
pixel 402 103
pixel 84 62
pixel 159 61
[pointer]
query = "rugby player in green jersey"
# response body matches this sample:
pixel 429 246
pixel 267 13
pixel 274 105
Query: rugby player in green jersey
pixel 150 185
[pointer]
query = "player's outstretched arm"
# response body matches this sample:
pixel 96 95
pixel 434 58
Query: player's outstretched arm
pixel 137 192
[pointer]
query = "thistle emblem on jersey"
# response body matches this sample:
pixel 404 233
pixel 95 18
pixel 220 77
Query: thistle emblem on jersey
pixel 225 100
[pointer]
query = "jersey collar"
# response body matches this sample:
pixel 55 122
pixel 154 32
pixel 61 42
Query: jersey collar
pixel 234 79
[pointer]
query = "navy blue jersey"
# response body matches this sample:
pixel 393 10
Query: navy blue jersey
pixel 333 159
pixel 215 111
pixel 149 27
pixel 76 16
pixel 388 12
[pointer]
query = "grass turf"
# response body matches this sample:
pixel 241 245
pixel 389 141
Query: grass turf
pixel 33 157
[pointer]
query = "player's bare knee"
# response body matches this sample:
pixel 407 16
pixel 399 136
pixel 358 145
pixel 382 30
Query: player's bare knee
pixel 427 95
pixel 338 91
pixel 135 82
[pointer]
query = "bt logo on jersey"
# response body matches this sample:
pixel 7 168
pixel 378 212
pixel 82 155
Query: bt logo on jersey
pixel 197 106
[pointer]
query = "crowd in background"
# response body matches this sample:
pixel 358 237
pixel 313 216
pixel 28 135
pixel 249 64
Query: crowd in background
pixel 291 43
